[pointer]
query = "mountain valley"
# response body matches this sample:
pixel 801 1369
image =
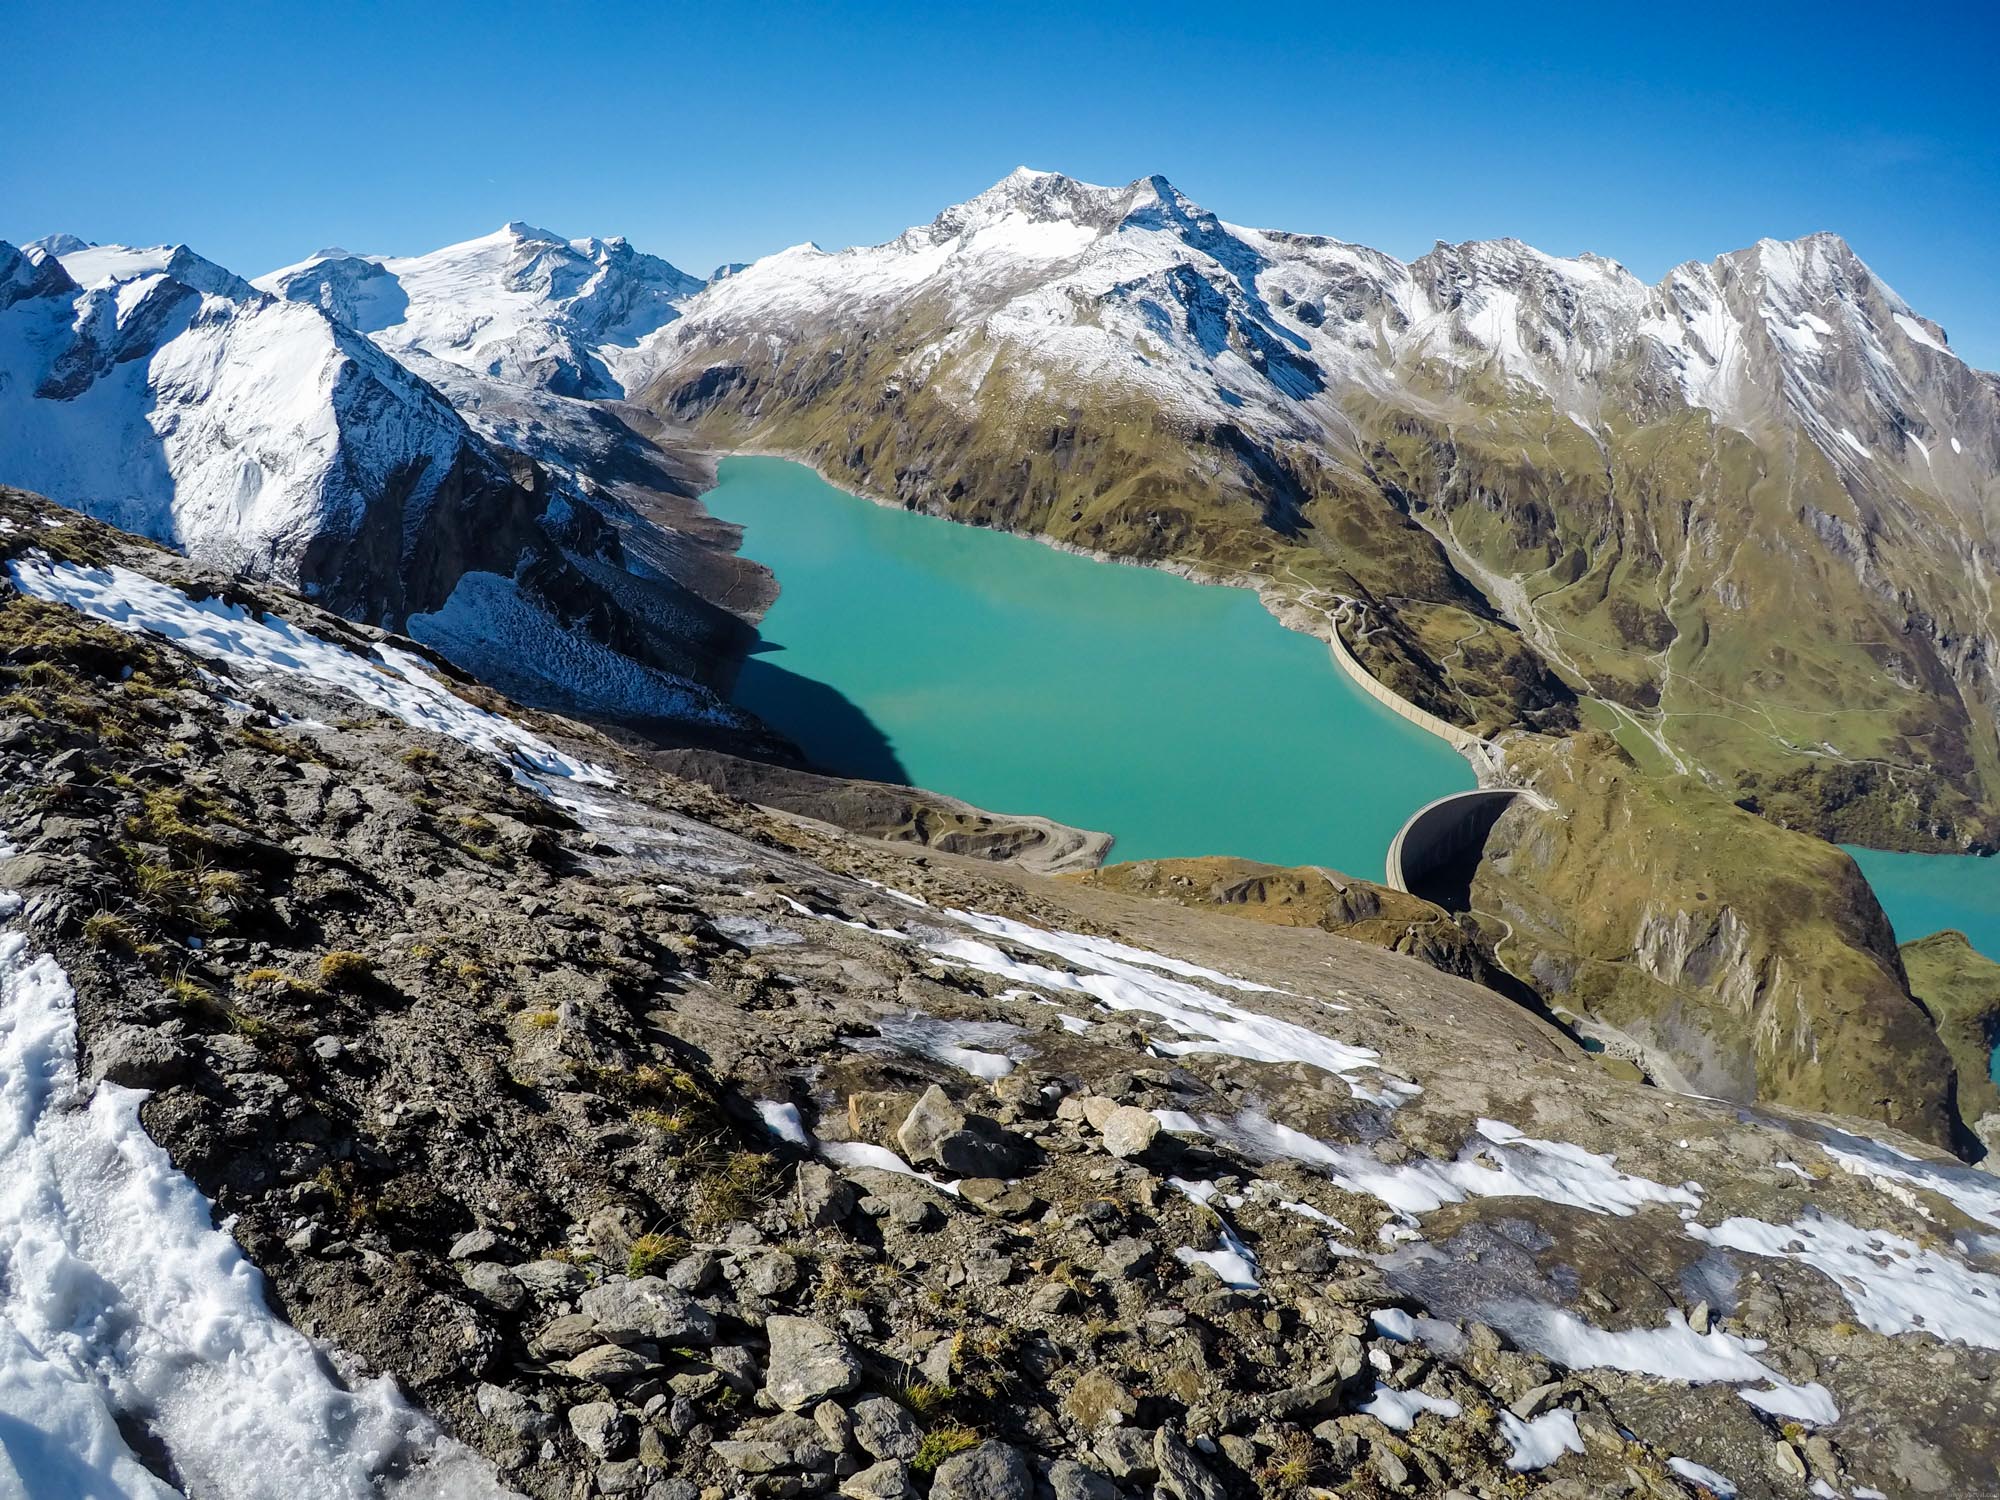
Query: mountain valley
pixel 672 1112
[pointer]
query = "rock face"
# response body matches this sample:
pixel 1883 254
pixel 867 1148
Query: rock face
pixel 1737 959
pixel 1961 991
pixel 568 1094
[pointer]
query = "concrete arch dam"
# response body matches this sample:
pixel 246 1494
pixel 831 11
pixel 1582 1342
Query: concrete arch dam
pixel 1434 852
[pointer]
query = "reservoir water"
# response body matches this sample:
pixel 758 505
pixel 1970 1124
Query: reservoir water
pixel 1181 718
pixel 1925 893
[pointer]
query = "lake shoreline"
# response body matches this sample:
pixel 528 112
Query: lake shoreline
pixel 1289 610
pixel 1164 708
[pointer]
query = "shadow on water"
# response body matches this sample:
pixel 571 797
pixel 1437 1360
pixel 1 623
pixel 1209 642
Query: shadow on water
pixel 1448 883
pixel 837 737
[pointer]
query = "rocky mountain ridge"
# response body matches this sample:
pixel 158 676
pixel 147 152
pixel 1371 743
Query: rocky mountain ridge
pixel 275 439
pixel 1737 519
pixel 521 305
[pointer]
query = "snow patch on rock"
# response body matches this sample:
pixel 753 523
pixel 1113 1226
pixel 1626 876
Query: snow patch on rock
pixel 390 680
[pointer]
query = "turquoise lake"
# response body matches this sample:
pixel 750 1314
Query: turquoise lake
pixel 1180 718
pixel 1925 893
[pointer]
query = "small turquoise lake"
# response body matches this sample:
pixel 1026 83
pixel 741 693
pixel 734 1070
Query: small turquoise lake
pixel 1181 718
pixel 1925 893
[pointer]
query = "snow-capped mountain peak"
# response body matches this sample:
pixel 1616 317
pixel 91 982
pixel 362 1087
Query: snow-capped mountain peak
pixel 168 396
pixel 1141 289
pixel 521 229
pixel 115 265
pixel 521 305
pixel 56 244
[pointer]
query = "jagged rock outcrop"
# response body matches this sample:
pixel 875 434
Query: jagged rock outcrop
pixel 1960 990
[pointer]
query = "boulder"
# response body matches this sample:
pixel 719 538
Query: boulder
pixel 1126 1257
pixel 495 1284
pixel 647 1310
pixel 824 1197
pixel 1127 1453
pixel 1072 1481
pixel 1097 1109
pixel 884 1429
pixel 992 1471
pixel 566 1337
pixel 1182 1474
pixel 1129 1131
pixel 550 1278
pixel 602 1428
pixel 1096 1400
pixel 513 1412
pixel 930 1120
pixel 809 1362
pixel 477 1244
pixel 608 1365
pixel 887 1480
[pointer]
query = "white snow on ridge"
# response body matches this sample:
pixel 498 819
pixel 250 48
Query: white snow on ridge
pixel 1707 1478
pixel 1098 950
pixel 1673 1351
pixel 520 305
pixel 1400 1409
pixel 783 1121
pixel 1120 977
pixel 393 681
pixel 956 1044
pixel 490 628
pixel 881 1159
pixel 1893 1284
pixel 1539 1443
pixel 1974 1193
pixel 119 1297
pixel 1233 1262
pixel 1916 333
pixel 1508 1165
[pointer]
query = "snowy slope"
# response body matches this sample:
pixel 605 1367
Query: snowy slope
pixel 519 305
pixel 125 1311
pixel 169 397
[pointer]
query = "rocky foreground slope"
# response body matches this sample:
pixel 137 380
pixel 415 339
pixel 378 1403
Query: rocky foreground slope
pixel 660 1146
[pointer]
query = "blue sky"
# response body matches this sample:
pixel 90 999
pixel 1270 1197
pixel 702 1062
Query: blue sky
pixel 258 133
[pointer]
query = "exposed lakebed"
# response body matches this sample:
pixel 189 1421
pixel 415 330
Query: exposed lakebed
pixel 1179 717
